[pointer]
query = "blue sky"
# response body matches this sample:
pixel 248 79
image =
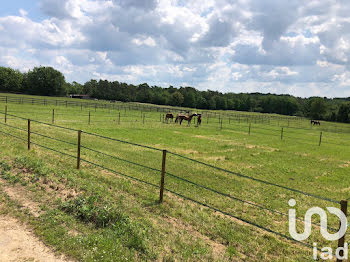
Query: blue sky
pixel 31 6
pixel 278 46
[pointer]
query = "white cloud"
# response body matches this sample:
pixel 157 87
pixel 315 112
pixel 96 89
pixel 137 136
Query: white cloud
pixel 296 46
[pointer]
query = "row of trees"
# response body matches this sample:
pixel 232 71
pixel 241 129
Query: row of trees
pixel 50 82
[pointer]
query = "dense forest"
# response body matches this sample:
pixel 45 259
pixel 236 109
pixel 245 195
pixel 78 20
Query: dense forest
pixel 49 82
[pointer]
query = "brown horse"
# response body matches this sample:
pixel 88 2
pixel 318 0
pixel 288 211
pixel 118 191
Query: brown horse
pixel 169 115
pixel 181 117
pixel 315 122
pixel 199 119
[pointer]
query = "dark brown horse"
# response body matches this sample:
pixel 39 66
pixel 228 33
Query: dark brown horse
pixel 315 122
pixel 181 117
pixel 199 119
pixel 169 116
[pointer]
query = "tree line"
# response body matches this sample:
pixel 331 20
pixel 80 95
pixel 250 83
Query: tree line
pixel 48 81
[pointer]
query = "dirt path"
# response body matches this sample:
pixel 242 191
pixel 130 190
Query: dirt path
pixel 18 244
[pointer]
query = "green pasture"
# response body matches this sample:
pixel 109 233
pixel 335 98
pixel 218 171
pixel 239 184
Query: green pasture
pixel 281 151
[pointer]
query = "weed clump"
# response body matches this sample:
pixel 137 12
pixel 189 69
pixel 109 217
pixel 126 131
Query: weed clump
pixel 36 167
pixel 5 172
pixel 92 209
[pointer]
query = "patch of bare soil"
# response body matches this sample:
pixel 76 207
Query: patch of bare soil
pixel 346 164
pixel 55 188
pixel 21 196
pixel 18 244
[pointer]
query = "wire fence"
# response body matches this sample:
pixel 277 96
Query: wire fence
pixel 230 193
pixel 255 118
pixel 313 137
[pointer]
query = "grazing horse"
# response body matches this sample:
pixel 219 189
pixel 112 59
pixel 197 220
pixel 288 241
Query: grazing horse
pixel 181 117
pixel 169 115
pixel 199 119
pixel 178 117
pixel 315 122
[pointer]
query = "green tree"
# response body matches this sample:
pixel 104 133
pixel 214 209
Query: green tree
pixel 144 93
pixel 343 113
pixel 90 88
pixel 221 103
pixel 45 81
pixel 176 99
pixel 212 103
pixel 202 103
pixel 10 80
pixel 318 108
pixel 74 88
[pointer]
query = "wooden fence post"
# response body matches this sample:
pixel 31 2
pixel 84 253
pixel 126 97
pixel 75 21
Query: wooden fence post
pixel 143 119
pixel 78 152
pixel 221 124
pixel 282 133
pixel 53 116
pixel 319 143
pixel 119 119
pixel 341 241
pixel 28 134
pixel 6 113
pixel 162 178
pixel 6 99
pixel 89 117
pixel 249 128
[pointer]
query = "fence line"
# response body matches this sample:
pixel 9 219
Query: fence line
pixel 156 108
pixel 251 130
pixel 290 129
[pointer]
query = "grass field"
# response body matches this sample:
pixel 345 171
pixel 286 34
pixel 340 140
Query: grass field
pixel 94 214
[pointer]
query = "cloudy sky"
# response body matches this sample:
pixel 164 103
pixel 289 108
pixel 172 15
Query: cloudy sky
pixel 278 46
